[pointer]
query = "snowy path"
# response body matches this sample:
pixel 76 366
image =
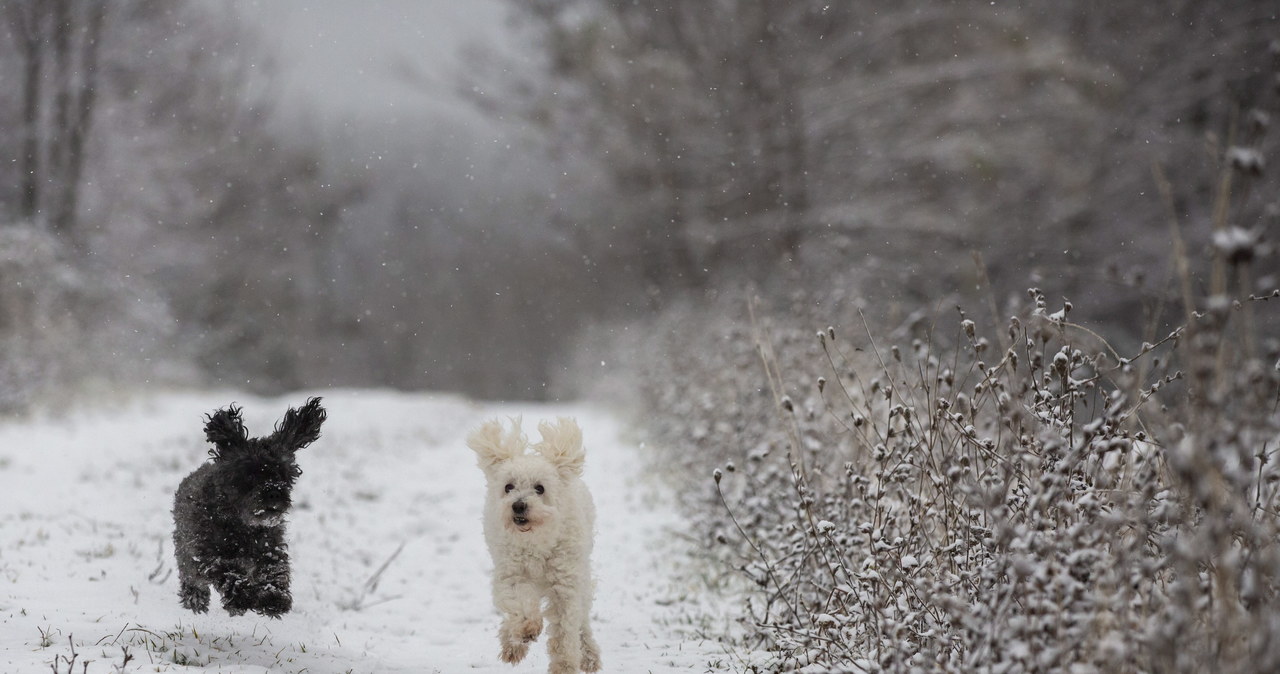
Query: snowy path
pixel 86 558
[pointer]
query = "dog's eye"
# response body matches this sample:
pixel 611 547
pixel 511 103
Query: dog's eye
pixel 538 488
pixel 508 488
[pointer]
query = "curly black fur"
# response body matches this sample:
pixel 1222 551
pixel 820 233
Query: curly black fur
pixel 229 514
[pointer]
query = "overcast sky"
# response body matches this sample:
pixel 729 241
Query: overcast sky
pixel 346 61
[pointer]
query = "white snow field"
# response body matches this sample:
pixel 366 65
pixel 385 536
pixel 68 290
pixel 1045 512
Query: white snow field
pixel 86 558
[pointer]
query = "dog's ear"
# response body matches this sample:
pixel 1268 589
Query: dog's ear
pixel 492 446
pixel 301 427
pixel 225 430
pixel 562 445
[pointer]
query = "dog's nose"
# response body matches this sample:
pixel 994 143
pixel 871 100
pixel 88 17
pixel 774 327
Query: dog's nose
pixel 519 507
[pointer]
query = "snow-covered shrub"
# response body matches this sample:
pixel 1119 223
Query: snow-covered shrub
pixel 1029 501
pixel 990 494
pixel 64 323
pixel 36 318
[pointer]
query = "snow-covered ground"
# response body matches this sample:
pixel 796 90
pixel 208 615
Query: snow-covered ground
pixel 86 559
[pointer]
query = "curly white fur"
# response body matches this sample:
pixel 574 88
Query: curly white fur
pixel 539 525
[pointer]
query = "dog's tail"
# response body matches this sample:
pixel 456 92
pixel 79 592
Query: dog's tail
pixel 492 446
pixel 562 445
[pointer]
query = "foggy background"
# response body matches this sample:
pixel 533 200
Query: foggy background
pixel 443 195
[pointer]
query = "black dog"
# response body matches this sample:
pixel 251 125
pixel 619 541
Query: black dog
pixel 229 514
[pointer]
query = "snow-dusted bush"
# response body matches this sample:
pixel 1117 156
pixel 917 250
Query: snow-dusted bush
pixel 64 323
pixel 36 318
pixel 1031 501
pixel 1030 496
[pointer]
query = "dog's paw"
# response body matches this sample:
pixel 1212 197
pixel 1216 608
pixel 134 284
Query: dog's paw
pixel 590 656
pixel 194 597
pixel 528 630
pixel 270 612
pixel 236 604
pixel 274 605
pixel 515 635
pixel 512 653
pixel 196 604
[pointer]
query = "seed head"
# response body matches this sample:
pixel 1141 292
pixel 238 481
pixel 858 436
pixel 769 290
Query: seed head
pixel 1246 160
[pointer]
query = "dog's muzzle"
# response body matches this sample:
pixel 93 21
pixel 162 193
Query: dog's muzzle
pixel 520 516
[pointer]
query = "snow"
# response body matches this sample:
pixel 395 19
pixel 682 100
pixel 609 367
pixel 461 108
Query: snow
pixel 86 554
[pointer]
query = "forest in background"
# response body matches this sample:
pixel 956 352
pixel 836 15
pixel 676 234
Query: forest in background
pixel 160 224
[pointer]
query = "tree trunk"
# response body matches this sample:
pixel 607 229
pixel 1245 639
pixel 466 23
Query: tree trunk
pixel 783 129
pixel 26 20
pixel 60 219
pixel 85 95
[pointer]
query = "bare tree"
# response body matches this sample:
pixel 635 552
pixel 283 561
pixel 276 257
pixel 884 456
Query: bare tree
pixel 155 116
pixel 58 42
pixel 28 24
pixel 735 131
pixel 80 92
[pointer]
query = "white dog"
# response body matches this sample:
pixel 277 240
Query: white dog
pixel 539 524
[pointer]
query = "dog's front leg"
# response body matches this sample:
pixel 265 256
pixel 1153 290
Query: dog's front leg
pixel 231 580
pixel 194 594
pixel 567 618
pixel 590 649
pixel 519 603
pixel 271 580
